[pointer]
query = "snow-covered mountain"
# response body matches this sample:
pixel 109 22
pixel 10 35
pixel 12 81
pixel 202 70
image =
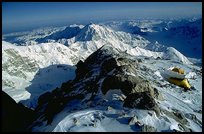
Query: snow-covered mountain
pixel 29 37
pixel 86 41
pixel 44 66
pixel 61 35
pixel 81 73
pixel 171 33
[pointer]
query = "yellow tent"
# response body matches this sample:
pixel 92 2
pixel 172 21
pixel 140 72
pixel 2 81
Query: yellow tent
pixel 180 82
pixel 176 76
pixel 178 70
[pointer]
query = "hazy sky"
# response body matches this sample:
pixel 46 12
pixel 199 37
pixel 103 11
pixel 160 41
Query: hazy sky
pixel 24 15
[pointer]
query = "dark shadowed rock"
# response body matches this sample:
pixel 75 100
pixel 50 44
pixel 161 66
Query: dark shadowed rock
pixel 158 95
pixel 126 83
pixel 15 117
pixel 81 70
pixel 116 82
pixel 108 65
pixel 66 85
pixel 142 100
pixel 44 98
pixel 57 104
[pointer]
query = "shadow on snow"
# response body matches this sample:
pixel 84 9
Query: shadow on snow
pixel 47 79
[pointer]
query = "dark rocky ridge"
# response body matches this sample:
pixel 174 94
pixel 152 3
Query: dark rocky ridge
pixel 105 69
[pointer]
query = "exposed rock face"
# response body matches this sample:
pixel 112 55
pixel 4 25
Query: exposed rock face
pixel 15 117
pixel 104 70
pixel 177 115
pixel 118 82
pixel 158 95
pixel 132 120
pixel 141 100
pixel 127 83
pixel 139 92
pixel 82 69
pixel 108 65
pixel 16 63
pixel 147 128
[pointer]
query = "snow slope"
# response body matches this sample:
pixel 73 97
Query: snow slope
pixel 28 70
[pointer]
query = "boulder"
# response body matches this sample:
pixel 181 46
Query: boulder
pixel 176 115
pixel 158 95
pixel 147 128
pixel 127 61
pixel 81 70
pixel 108 65
pixel 139 92
pixel 143 86
pixel 132 120
pixel 127 65
pixel 183 128
pixel 124 82
pixel 141 100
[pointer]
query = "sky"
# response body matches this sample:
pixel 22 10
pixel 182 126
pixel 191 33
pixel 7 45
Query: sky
pixel 18 16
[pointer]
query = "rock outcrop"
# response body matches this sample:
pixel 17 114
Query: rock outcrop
pixel 104 70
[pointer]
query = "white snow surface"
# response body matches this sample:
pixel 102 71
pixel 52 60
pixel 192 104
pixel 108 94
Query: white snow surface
pixel 54 65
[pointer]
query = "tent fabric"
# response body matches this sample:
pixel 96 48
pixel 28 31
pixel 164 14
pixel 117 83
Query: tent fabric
pixel 178 70
pixel 180 82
